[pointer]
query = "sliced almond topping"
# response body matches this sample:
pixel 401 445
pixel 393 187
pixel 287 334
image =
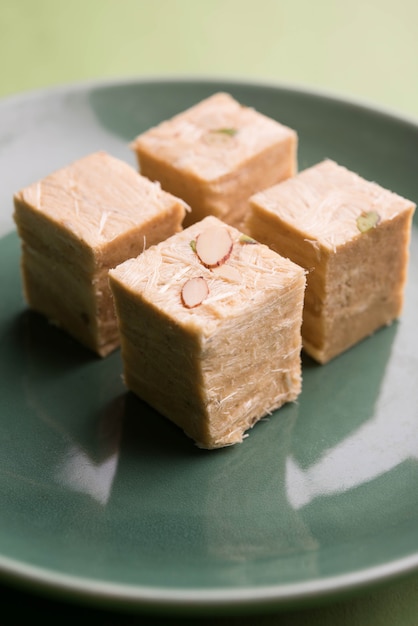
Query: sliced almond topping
pixel 194 291
pixel 228 272
pixel 214 246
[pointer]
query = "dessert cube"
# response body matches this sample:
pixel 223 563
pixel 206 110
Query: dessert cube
pixel 215 155
pixel 210 330
pixel 75 225
pixel 352 236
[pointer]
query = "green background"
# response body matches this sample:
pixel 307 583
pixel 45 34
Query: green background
pixel 363 49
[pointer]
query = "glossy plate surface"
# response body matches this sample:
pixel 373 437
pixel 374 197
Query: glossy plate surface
pixel 102 499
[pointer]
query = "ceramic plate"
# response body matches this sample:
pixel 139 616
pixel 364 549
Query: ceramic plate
pixel 102 499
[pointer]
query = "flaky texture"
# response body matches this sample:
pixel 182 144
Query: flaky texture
pixel 75 225
pixel 217 368
pixel 215 155
pixel 356 278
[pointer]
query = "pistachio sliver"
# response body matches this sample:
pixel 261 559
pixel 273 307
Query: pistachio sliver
pixel 367 220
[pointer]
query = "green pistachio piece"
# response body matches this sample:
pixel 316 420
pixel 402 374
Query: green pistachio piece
pixel 367 220
pixel 246 239
pixel 231 132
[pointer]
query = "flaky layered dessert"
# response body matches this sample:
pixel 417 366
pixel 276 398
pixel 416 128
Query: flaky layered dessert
pixel 210 324
pixel 352 236
pixel 76 224
pixel 215 155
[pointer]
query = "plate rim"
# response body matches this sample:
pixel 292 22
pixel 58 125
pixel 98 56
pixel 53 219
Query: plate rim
pixel 233 80
pixel 213 599
pixel 156 598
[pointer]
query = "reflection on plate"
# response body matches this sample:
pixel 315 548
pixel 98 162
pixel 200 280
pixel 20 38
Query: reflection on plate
pixel 102 498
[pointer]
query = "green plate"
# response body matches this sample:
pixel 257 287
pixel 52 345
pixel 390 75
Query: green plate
pixel 103 500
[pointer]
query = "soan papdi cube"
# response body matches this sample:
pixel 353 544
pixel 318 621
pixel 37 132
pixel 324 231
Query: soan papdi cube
pixel 75 225
pixel 352 236
pixel 217 154
pixel 210 330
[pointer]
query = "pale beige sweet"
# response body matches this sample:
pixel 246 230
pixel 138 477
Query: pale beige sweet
pixel 75 225
pixel 352 236
pixel 217 154
pixel 214 349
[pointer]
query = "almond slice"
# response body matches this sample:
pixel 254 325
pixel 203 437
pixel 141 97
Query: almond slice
pixel 194 291
pixel 214 246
